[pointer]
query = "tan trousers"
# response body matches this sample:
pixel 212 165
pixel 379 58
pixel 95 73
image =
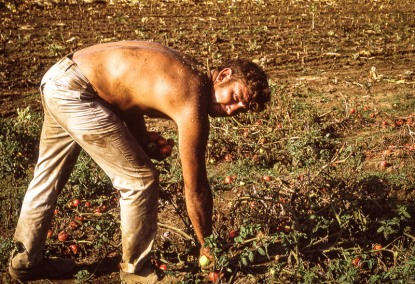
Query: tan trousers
pixel 75 117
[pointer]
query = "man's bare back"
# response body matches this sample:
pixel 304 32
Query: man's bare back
pixel 143 76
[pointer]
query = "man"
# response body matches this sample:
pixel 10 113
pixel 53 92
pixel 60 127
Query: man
pixel 96 99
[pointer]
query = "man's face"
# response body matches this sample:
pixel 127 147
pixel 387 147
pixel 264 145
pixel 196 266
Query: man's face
pixel 229 98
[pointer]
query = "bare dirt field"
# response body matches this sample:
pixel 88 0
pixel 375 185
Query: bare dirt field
pixel 356 54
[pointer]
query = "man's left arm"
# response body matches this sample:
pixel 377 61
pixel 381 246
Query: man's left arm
pixel 137 126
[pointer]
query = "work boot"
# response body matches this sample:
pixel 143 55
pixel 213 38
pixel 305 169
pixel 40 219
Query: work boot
pixel 147 275
pixel 47 268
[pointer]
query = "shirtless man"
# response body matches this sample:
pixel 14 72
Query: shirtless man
pixel 96 99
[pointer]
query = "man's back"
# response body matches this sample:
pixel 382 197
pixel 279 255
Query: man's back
pixel 143 77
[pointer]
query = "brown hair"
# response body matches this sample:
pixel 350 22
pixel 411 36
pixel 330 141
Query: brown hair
pixel 255 79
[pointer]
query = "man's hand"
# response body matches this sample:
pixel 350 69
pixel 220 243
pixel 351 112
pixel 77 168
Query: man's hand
pixel 157 147
pixel 206 260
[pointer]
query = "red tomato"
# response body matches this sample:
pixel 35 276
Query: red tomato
pixel 246 133
pixel 79 218
pixel 74 248
pixel 266 178
pixel 228 158
pixel 50 233
pixel 153 136
pixel 73 224
pixel 377 247
pixel 76 202
pixel 171 142
pixel 356 262
pixel 214 276
pixel 63 236
pixel 233 234
pixel 165 151
pixel 161 141
pixel 384 164
pixel 163 266
pixel 228 179
pixel 87 204
pixel 56 212
pixel 352 110
pixel 152 148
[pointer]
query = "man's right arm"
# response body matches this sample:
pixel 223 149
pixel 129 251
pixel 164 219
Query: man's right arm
pixel 193 135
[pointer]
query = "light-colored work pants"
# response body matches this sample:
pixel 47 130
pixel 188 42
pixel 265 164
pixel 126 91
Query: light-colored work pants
pixel 75 117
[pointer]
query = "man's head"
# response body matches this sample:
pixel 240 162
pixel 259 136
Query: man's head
pixel 239 85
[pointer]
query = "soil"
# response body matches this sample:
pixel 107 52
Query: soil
pixel 363 50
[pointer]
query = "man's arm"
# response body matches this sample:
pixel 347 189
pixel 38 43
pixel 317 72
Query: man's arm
pixel 193 135
pixel 137 126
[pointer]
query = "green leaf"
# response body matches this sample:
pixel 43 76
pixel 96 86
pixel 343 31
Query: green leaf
pixel 261 251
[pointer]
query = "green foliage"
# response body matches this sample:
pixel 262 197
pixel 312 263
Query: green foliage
pixel 316 218
pixel 82 276
pixel 18 143
pixel 6 246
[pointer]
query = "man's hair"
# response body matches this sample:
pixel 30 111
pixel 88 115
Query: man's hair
pixel 255 79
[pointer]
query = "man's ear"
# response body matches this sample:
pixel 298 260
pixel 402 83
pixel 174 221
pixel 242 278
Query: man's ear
pixel 224 75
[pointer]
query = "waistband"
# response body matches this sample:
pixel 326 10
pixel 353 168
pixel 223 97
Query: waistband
pixel 68 75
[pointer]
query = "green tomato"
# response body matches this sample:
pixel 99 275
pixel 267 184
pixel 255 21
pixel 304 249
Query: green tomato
pixel 204 261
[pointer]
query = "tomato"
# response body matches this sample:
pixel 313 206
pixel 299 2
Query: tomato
pixel 50 234
pixel 171 142
pixel 204 261
pixel 377 247
pixel 161 141
pixel 76 202
pixel 356 262
pixel 228 158
pixel 387 152
pixel 79 218
pixel 266 178
pixel 152 148
pixel 56 212
pixel 384 164
pixel 228 179
pixel 153 136
pixel 63 236
pixel 87 204
pixel 73 224
pixel 74 248
pixel 352 110
pixel 165 151
pixel 163 266
pixel 214 276
pixel 233 234
pixel 246 133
